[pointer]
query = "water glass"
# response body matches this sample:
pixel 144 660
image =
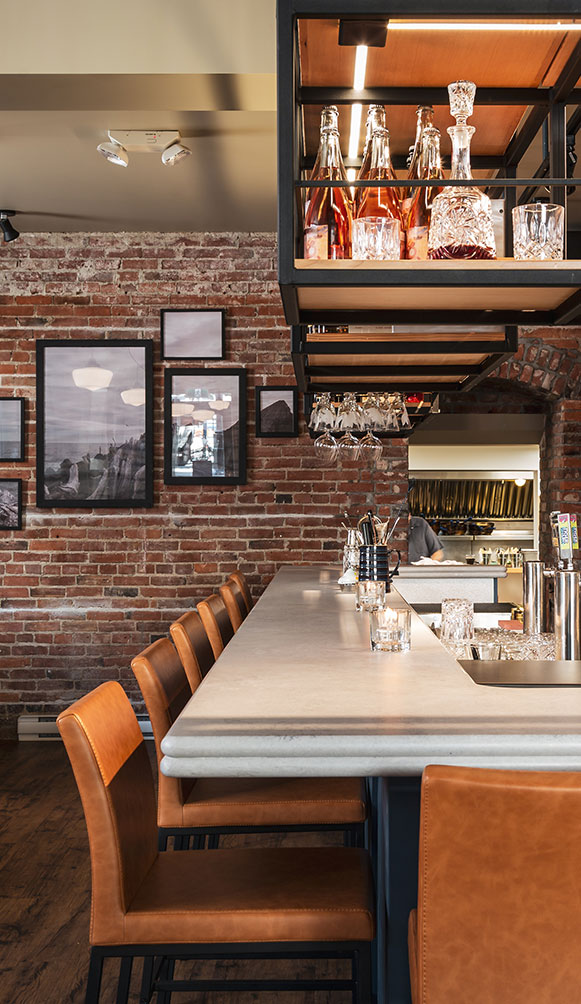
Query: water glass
pixel 390 629
pixel 376 238
pixel 538 230
pixel 488 650
pixel 457 620
pixel 370 595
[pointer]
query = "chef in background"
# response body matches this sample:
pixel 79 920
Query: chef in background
pixel 422 541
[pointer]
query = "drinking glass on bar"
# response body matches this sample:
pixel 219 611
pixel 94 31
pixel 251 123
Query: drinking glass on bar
pixel 376 238
pixel 457 620
pixel 538 232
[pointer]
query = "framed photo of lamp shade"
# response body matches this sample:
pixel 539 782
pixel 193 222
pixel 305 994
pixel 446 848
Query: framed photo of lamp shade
pixel 94 423
pixel 205 427
pixel 192 333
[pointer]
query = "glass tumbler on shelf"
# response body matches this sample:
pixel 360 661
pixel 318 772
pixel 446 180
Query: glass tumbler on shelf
pixel 457 620
pixel 376 238
pixel 461 221
pixel 390 629
pixel 538 232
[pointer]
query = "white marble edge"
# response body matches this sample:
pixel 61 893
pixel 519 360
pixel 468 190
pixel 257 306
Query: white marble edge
pixel 298 692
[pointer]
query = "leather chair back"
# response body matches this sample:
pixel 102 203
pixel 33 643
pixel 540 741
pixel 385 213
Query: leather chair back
pixel 190 638
pixel 234 602
pixel 499 896
pixel 113 774
pixel 216 621
pixel 166 690
pixel 241 580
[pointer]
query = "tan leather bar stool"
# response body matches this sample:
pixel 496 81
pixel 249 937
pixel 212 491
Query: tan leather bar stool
pixel 196 807
pixel 241 580
pixel 190 639
pixel 499 894
pixel 230 903
pixel 216 621
pixel 234 602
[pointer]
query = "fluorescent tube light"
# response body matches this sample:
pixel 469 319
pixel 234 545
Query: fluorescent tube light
pixel 558 26
pixel 355 129
pixel 360 65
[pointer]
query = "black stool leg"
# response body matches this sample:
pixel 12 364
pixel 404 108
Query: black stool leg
pixel 362 974
pixel 124 979
pixel 213 841
pixel 146 979
pixel 161 840
pixel 199 841
pixel 94 977
pixel 166 973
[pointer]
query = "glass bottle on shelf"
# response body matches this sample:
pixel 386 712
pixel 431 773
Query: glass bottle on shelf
pixel 328 216
pixel 417 223
pixel 375 118
pixel 381 202
pixel 461 224
pixel 425 118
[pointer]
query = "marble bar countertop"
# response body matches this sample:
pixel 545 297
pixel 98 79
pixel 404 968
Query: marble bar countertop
pixel 441 571
pixel 298 692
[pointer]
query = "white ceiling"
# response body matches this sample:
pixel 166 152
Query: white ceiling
pixel 73 69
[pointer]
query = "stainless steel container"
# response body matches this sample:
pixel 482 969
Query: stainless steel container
pixel 567 615
pixel 534 597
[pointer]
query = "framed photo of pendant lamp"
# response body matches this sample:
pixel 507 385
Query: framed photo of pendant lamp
pixel 94 423
pixel 205 427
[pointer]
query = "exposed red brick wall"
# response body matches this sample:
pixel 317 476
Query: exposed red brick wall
pixel 83 591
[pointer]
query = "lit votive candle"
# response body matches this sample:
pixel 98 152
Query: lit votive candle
pixel 390 629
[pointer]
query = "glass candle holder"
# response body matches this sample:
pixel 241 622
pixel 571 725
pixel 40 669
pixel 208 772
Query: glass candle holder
pixel 538 232
pixel 457 620
pixel 370 595
pixel 390 629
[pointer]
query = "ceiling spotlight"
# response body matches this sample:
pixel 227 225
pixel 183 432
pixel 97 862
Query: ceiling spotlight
pixel 114 152
pixel 10 233
pixel 174 153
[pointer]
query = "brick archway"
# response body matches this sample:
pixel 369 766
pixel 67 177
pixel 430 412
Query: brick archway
pixel 546 367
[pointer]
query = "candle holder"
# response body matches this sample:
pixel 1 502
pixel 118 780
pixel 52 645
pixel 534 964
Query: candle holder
pixel 390 629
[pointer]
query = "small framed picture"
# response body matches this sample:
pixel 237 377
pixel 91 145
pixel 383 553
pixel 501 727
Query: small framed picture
pixel 192 333
pixel 277 411
pixel 205 426
pixel 10 504
pixel 94 417
pixel 11 428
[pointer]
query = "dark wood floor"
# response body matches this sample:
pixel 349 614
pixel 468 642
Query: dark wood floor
pixel 45 892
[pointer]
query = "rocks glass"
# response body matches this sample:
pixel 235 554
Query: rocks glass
pixel 538 231
pixel 457 620
pixel 376 238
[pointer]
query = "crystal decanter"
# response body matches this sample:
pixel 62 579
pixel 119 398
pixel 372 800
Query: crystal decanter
pixel 461 223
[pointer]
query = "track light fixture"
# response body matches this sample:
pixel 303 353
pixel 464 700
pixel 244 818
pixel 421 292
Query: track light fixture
pixel 114 152
pixel 9 232
pixel 166 142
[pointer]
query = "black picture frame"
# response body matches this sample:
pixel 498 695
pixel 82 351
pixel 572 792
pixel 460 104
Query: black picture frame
pixel 6 522
pixel 277 425
pixel 198 386
pixel 89 424
pixel 12 410
pixel 208 325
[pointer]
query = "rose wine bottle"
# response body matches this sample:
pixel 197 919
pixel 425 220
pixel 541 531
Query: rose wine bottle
pixel 382 202
pixel 417 223
pixel 425 118
pixel 375 118
pixel 328 216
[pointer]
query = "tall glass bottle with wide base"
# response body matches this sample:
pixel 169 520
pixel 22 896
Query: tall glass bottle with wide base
pixel 381 202
pixel 461 224
pixel 328 216
pixel 417 221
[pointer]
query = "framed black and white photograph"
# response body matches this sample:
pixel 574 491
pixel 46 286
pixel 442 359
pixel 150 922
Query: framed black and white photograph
pixel 188 333
pixel 94 423
pixel 277 411
pixel 10 504
pixel 205 426
pixel 11 428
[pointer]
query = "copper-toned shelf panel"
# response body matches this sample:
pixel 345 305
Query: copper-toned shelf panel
pixel 466 359
pixel 401 335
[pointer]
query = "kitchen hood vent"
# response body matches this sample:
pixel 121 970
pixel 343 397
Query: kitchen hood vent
pixel 476 499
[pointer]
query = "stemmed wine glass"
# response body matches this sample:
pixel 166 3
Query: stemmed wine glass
pixel 323 417
pixel 349 416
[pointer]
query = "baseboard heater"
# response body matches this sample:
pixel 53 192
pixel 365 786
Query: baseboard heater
pixel 32 728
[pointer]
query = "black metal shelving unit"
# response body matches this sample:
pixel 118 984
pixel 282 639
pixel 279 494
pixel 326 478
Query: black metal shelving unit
pixel 500 294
